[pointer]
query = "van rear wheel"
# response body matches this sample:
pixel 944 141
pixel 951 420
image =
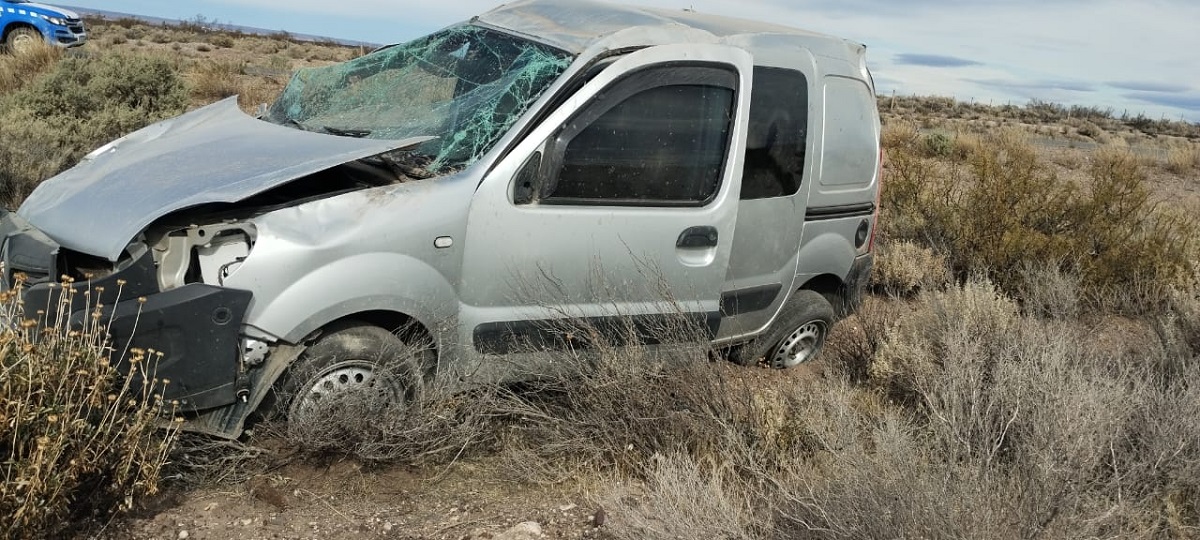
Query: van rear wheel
pixel 796 336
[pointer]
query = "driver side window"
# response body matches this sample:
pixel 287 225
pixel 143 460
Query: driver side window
pixel 658 137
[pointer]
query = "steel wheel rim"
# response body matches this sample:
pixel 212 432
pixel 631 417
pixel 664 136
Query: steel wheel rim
pixel 339 380
pixel 799 346
pixel 22 42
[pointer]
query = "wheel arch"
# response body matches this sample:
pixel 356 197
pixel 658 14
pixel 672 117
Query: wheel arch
pixel 407 327
pixel 8 29
pixel 830 286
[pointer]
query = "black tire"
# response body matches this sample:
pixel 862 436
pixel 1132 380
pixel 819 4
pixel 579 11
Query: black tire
pixel 796 336
pixel 352 357
pixel 19 38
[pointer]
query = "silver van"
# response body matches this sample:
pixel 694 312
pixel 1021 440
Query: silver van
pixel 546 160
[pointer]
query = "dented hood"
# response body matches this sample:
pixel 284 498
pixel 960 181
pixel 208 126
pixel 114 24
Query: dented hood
pixel 216 154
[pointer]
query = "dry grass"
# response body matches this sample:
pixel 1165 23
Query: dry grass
pixel 437 422
pixel 17 69
pixel 213 80
pixel 1183 158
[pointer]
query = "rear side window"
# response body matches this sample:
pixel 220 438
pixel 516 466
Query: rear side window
pixel 778 134
pixel 850 155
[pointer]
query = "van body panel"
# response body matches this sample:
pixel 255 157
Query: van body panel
pixel 582 260
pixel 625 192
pixel 850 144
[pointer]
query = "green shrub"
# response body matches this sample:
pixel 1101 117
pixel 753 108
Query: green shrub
pixel 52 121
pixel 938 144
pixel 80 441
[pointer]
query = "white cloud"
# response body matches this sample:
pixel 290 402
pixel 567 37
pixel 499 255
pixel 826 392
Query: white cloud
pixel 1022 42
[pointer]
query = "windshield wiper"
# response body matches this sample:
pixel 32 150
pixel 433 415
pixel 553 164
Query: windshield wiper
pixel 342 132
pixel 345 132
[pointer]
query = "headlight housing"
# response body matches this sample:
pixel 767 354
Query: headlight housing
pixel 56 21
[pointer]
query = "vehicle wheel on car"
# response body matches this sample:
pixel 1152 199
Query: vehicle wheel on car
pixel 22 39
pixel 353 369
pixel 795 337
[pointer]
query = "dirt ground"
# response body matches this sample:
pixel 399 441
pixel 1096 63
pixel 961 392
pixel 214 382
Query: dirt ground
pixel 346 500
pixel 473 499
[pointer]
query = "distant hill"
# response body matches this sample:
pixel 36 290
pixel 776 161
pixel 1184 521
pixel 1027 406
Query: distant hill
pixel 215 25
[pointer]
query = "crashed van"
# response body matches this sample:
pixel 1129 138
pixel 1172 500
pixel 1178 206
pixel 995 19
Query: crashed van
pixel 546 160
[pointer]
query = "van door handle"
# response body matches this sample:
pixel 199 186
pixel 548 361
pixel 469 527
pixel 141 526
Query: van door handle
pixel 697 237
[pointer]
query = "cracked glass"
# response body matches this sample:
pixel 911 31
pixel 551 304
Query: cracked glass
pixel 465 85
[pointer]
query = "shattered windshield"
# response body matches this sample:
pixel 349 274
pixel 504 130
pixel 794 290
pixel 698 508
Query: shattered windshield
pixel 466 86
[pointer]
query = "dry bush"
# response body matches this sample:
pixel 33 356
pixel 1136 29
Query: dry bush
pixel 1067 158
pixel 937 145
pixel 584 397
pixel 911 349
pixel 1009 427
pixel 1005 209
pixel 1086 128
pixel 967 144
pixel 1179 322
pixel 259 90
pixel 81 440
pixel 223 41
pixel 683 499
pixel 855 342
pixel 1045 290
pixel 904 268
pixel 162 36
pixel 1129 237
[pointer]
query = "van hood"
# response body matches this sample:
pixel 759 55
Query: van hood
pixel 216 154
pixel 49 11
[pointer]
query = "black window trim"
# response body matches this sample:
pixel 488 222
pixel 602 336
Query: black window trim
pixel 644 78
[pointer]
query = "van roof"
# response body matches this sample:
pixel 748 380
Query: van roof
pixel 575 26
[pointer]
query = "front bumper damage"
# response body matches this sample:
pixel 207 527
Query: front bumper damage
pixel 196 327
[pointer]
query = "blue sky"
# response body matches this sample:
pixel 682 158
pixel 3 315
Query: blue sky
pixel 1139 57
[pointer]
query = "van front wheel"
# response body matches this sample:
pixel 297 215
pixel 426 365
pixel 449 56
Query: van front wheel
pixel 795 337
pixel 355 372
